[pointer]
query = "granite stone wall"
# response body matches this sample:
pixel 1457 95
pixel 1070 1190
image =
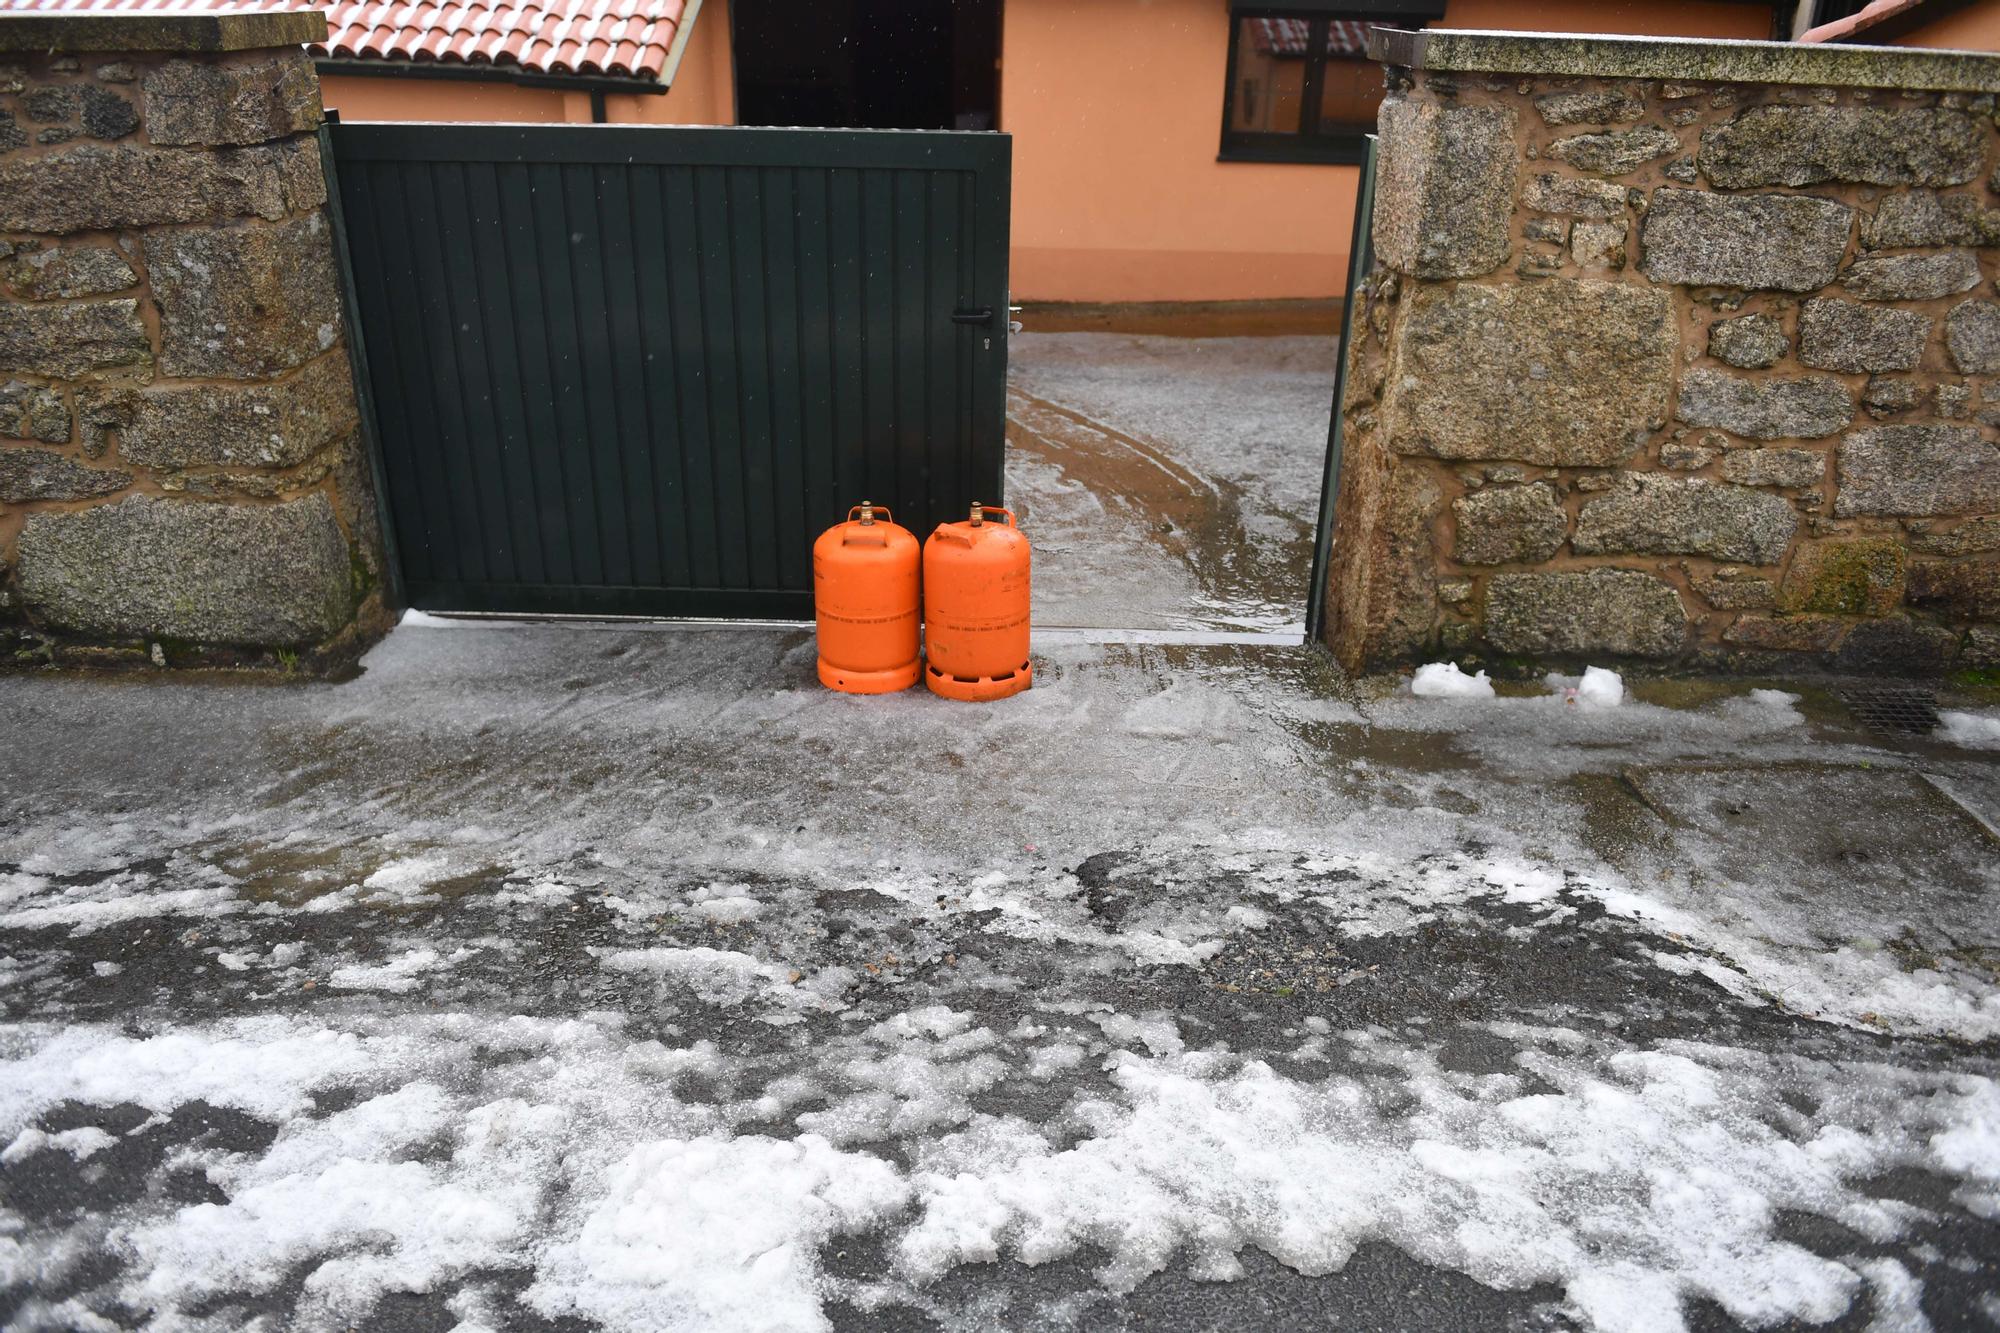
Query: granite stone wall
pixel 181 475
pixel 1676 352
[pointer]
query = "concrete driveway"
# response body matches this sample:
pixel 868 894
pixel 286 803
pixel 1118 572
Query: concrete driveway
pixel 558 978
pixel 1169 483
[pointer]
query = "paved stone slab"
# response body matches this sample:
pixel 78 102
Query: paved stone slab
pixel 212 425
pixel 1786 634
pixel 1403 558
pixel 1972 333
pixel 1805 145
pixel 51 104
pixel 1897 647
pixel 1774 467
pixel 1772 408
pixel 1509 525
pixel 248 100
pixel 1598 244
pixel 32 412
pixel 39 34
pixel 44 474
pixel 259 575
pixel 108 115
pixel 1616 153
pixel 1550 193
pixel 1858 576
pixel 1733 590
pixel 1850 336
pixel 1920 217
pixel 1960 589
pixel 108 186
pixel 1681 456
pixel 1566 372
pixel 1685 60
pixel 1601 106
pixel 1967 538
pixel 1750 342
pixel 282 309
pixel 1651 514
pixel 1912 277
pixel 1917 470
pixel 1444 189
pixel 1619 612
pixel 38 274
pixel 1884 395
pixel 65 341
pixel 1778 242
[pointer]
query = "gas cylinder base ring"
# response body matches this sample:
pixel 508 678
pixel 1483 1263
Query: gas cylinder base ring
pixel 983 690
pixel 869 682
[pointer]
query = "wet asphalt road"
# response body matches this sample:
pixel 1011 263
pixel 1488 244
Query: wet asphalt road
pixel 1233 994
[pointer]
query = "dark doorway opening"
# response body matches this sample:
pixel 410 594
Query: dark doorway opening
pixel 868 64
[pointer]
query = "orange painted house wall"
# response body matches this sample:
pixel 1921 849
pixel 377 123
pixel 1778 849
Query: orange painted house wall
pixel 1116 111
pixel 1116 108
pixel 363 97
pixel 704 91
pixel 1974 28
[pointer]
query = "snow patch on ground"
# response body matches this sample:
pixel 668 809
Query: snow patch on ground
pixel 719 976
pixel 715 1233
pixel 1597 687
pixel 408 876
pixel 91 907
pixel 1977 731
pixel 1635 1178
pixel 79 1143
pixel 724 904
pixel 403 973
pixel 1443 680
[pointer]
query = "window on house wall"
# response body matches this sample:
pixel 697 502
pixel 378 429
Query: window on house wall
pixel 1301 86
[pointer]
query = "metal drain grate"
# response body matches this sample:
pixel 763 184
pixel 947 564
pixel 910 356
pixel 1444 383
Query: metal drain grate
pixel 1886 708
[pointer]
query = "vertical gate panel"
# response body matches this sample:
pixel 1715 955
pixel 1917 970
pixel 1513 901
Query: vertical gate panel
pixel 652 287
pixel 878 335
pixel 757 522
pixel 908 324
pixel 483 266
pixel 431 327
pixel 819 424
pixel 779 228
pixel 637 369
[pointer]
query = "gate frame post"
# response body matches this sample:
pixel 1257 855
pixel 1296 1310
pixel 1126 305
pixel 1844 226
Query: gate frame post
pixel 1360 259
pixel 357 359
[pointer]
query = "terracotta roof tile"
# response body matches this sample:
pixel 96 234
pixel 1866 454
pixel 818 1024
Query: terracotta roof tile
pixel 600 38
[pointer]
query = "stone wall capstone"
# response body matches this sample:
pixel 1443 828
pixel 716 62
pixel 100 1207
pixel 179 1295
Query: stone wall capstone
pixel 181 476
pixel 1682 352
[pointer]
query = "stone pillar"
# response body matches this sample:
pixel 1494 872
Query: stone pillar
pixel 1676 351
pixel 181 473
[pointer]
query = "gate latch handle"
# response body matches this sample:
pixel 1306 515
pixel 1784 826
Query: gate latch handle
pixel 983 315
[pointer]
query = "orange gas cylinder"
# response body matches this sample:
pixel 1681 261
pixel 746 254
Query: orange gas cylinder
pixel 976 608
pixel 865 603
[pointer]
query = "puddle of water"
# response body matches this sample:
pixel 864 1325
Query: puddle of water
pixel 293 875
pixel 286 876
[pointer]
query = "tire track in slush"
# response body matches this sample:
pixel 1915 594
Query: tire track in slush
pixel 1193 520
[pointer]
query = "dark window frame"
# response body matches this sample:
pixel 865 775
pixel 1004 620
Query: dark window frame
pixel 1348 146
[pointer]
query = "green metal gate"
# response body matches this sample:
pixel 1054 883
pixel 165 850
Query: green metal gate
pixel 635 370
